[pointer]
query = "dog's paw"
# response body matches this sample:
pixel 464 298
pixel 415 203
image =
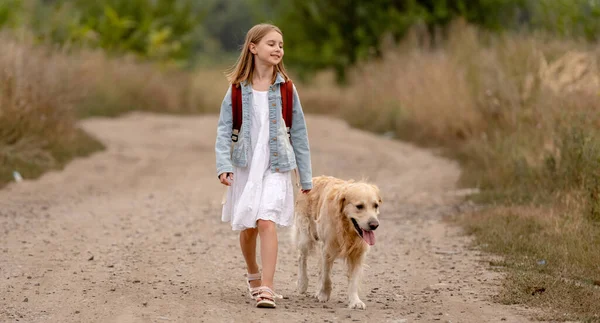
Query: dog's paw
pixel 322 296
pixel 357 305
pixel 302 285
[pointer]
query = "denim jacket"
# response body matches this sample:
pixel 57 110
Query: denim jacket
pixel 284 156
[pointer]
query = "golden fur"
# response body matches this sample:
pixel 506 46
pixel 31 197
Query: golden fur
pixel 324 218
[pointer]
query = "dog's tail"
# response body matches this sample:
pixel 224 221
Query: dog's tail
pixel 297 227
pixel 294 234
pixel 301 235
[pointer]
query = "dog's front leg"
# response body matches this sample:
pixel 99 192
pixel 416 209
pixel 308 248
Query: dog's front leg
pixel 354 275
pixel 325 277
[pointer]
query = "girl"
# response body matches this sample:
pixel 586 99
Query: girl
pixel 260 195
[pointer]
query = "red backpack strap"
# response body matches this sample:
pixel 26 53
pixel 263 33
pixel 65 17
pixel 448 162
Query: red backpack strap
pixel 287 101
pixel 236 107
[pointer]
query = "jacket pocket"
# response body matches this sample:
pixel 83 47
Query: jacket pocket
pixel 238 152
pixel 285 148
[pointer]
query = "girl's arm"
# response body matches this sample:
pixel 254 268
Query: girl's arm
pixel 300 143
pixel 223 141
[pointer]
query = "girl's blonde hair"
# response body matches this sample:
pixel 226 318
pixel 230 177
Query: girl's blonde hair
pixel 243 70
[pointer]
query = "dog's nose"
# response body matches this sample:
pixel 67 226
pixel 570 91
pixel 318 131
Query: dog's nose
pixel 373 224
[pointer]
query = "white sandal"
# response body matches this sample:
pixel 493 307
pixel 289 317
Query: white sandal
pixel 253 291
pixel 266 297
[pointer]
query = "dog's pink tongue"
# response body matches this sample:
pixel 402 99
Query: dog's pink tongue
pixel 369 237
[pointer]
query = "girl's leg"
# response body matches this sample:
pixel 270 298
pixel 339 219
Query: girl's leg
pixel 267 230
pixel 248 246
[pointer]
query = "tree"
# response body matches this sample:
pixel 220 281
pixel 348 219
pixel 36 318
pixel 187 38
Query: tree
pixel 10 12
pixel 227 21
pixel 337 34
pixel 156 29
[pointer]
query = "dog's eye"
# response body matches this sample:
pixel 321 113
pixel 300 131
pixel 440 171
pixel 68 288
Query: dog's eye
pixel 375 205
pixel 360 206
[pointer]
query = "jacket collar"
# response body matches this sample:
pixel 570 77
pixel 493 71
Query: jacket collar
pixel 247 87
pixel 279 78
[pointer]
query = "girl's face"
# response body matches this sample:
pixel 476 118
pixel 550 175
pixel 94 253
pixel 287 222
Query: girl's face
pixel 269 49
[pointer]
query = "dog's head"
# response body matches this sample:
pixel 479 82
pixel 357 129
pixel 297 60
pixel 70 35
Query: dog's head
pixel 360 202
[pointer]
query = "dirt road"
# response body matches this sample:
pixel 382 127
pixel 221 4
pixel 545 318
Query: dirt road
pixel 133 234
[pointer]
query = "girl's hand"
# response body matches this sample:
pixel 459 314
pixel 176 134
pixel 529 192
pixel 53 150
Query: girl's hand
pixel 226 179
pixel 305 191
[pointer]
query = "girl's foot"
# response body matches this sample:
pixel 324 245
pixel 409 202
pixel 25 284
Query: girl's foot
pixel 265 297
pixel 253 279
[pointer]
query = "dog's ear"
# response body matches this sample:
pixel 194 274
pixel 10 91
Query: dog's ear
pixel 378 192
pixel 341 200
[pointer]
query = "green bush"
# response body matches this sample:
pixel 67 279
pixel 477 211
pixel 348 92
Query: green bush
pixel 10 12
pixel 165 30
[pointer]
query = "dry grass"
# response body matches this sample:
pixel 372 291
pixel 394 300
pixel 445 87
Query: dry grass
pixel 120 85
pixel 522 113
pixel 38 90
pixel 502 104
pixel 44 91
pixel 550 255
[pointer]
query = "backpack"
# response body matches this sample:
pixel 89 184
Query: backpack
pixel 287 105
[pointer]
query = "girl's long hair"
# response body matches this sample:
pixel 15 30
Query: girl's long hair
pixel 243 70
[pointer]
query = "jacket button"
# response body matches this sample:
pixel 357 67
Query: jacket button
pixel 277 170
pixel 274 138
pixel 274 154
pixel 274 121
pixel 274 104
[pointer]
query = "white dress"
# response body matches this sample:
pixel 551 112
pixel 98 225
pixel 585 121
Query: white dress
pixel 256 192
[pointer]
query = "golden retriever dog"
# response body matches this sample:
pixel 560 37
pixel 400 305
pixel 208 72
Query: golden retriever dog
pixel 339 217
